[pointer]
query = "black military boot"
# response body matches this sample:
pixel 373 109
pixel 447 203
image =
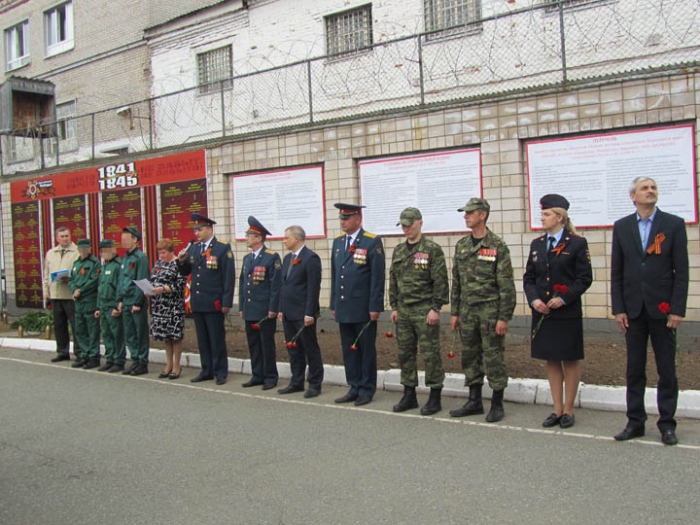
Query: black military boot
pixel 496 413
pixel 473 406
pixel 433 405
pixel 408 401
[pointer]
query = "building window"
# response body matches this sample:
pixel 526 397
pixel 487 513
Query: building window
pixel 349 31
pixel 443 15
pixel 214 66
pixel 553 5
pixel 17 46
pixel 66 127
pixel 58 27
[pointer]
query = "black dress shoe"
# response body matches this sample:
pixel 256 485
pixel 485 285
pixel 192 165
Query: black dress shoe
pixel 92 363
pixel 105 367
pixel 311 392
pixel 128 371
pixel 566 421
pixel 347 398
pixel 61 357
pixel 290 389
pixel 116 368
pixel 140 370
pixel 269 386
pixel 79 363
pixel 220 380
pixel 629 433
pixel 250 383
pixel 668 437
pixel 200 378
pixel 362 400
pixel 552 420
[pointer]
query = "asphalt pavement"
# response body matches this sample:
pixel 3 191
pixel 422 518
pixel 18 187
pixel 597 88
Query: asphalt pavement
pixel 85 447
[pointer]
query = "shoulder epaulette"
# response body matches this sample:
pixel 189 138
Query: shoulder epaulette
pixel 270 252
pixel 341 235
pixel 370 235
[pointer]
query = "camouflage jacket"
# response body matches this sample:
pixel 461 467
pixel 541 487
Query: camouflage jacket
pixel 483 274
pixel 418 275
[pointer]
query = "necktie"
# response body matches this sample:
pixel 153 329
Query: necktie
pixel 551 246
pixel 202 248
pixel 291 263
pixel 348 242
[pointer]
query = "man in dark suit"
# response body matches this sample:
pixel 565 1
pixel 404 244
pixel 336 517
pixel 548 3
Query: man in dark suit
pixel 212 285
pixel 357 298
pixel 649 270
pixel 298 309
pixel 258 300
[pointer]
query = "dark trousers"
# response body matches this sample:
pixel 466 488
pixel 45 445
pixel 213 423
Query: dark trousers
pixel 360 364
pixel 662 342
pixel 211 339
pixel 263 356
pixel 136 334
pixel 307 351
pixel 63 314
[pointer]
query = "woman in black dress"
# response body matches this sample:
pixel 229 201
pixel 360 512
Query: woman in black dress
pixel 557 273
pixel 168 307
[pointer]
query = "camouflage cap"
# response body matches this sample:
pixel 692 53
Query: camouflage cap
pixel 476 203
pixel 84 243
pixel 409 216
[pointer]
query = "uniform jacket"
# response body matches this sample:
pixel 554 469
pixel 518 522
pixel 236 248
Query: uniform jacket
pixel 108 282
pixel 655 275
pixel 357 278
pixel 54 262
pixel 418 276
pixel 134 267
pixel 300 291
pixel 213 279
pixel 85 277
pixel 483 274
pixel 259 284
pixel 569 264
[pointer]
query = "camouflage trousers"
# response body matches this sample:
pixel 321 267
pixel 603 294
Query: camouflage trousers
pixel 412 332
pixel 482 346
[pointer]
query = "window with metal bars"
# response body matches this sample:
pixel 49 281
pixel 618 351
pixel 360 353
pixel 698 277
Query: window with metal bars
pixel 349 31
pixel 214 66
pixel 451 14
pixel 553 5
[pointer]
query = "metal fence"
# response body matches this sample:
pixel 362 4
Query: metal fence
pixel 558 44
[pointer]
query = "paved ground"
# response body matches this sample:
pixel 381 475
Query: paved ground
pixel 82 447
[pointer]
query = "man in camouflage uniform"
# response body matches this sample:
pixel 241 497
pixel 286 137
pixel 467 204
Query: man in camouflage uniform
pixel 107 313
pixel 418 288
pixel 83 281
pixel 483 300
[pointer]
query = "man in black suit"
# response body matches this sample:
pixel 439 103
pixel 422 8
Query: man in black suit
pixel 649 289
pixel 298 309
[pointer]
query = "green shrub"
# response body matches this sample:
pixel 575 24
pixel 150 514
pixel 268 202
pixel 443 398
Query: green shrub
pixel 35 321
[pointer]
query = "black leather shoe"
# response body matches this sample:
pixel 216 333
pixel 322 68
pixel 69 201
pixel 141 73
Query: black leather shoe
pixel 347 398
pixel 290 389
pixel 269 386
pixel 116 368
pixel 311 392
pixel 140 370
pixel 362 400
pixel 200 378
pixel 61 357
pixel 250 383
pixel 128 371
pixel 629 433
pixel 552 420
pixel 566 421
pixel 92 363
pixel 220 380
pixel 80 363
pixel 105 367
pixel 668 437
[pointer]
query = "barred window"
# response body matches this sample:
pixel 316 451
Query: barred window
pixel 349 31
pixel 451 14
pixel 213 66
pixel 553 5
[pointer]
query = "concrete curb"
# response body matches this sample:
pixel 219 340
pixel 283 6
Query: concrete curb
pixel 520 390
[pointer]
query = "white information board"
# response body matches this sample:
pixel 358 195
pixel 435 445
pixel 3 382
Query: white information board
pixel 594 173
pixel 279 199
pixel 435 183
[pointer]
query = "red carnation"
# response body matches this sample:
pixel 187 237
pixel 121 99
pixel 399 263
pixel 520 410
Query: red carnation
pixel 451 355
pixel 389 335
pixel 665 308
pixel 217 305
pixel 255 326
pixel 353 347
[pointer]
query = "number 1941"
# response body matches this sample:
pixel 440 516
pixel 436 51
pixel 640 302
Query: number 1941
pixel 118 176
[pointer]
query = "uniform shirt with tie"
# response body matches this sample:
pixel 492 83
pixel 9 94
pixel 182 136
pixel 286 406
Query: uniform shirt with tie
pixel 349 239
pixel 553 240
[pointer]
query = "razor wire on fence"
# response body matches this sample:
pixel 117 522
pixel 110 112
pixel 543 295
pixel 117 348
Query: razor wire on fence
pixel 559 43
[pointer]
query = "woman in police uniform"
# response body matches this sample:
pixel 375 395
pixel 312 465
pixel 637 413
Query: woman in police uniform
pixel 557 273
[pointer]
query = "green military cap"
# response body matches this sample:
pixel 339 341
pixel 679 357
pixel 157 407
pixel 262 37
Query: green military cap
pixel 476 203
pixel 133 231
pixel 84 243
pixel 409 216
pixel 106 243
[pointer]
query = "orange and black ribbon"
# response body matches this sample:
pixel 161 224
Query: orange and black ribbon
pixel 656 247
pixel 558 248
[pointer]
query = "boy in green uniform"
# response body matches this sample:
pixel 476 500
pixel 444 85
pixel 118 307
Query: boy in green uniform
pixel 83 282
pixel 107 313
